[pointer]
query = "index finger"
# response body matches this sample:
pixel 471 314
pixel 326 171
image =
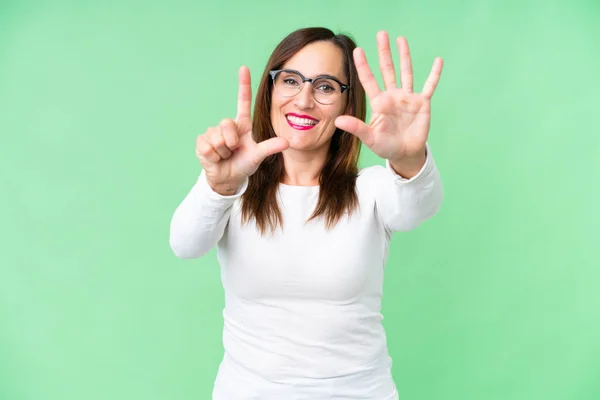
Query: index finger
pixel 365 75
pixel 244 94
pixel 386 65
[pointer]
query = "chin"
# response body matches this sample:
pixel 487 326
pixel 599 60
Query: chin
pixel 298 144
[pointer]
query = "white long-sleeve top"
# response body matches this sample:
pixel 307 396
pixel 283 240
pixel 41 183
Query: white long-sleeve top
pixel 302 313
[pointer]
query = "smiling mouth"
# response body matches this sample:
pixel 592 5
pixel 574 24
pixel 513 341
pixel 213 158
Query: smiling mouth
pixel 301 123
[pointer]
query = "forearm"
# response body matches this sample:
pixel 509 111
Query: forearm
pixel 199 221
pixel 411 201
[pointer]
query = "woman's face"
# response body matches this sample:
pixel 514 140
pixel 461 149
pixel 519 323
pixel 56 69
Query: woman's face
pixel 318 58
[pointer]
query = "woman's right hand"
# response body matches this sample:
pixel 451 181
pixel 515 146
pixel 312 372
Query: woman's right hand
pixel 228 153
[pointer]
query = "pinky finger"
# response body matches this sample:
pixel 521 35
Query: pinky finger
pixel 434 77
pixel 204 150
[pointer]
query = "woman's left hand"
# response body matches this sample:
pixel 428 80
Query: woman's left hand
pixel 400 118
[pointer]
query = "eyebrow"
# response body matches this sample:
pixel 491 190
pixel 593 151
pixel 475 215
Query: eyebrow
pixel 319 74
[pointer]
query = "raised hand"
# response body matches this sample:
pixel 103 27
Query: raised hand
pixel 400 118
pixel 228 153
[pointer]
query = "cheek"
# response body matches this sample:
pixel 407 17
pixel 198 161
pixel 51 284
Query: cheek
pixel 275 112
pixel 332 114
pixel 277 108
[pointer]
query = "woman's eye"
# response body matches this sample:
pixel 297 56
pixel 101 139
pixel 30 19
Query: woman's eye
pixel 326 88
pixel 290 81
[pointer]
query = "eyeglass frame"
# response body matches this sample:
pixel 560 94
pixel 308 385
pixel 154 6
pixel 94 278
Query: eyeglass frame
pixel 343 87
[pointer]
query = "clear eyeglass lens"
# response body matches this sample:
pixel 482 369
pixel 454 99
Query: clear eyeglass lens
pixel 325 91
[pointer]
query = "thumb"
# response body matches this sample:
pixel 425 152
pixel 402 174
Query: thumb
pixel 354 126
pixel 269 147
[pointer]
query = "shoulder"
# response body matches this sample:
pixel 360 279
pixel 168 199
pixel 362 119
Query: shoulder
pixel 374 174
pixel 370 178
pixel 374 171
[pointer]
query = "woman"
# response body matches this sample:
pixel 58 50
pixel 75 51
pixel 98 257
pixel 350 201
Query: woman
pixel 302 235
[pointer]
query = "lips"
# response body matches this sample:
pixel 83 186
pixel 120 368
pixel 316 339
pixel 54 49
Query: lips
pixel 301 122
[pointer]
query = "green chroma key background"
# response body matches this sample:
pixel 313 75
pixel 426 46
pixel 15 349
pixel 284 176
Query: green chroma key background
pixel 496 298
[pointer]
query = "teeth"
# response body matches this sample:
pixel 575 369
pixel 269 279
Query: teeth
pixel 301 121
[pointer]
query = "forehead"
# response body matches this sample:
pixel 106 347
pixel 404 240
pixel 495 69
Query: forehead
pixel 318 58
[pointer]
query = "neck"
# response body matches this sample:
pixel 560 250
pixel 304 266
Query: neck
pixel 303 168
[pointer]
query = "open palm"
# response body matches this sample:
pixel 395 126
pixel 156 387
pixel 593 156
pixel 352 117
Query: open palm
pixel 400 118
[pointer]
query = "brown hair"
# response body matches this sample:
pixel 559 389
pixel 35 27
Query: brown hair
pixel 337 181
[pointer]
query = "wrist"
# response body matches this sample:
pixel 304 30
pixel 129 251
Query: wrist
pixel 225 189
pixel 408 167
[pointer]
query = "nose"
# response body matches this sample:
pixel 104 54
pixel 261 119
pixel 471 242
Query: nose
pixel 304 99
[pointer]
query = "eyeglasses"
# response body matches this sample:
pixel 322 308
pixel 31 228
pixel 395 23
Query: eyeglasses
pixel 326 88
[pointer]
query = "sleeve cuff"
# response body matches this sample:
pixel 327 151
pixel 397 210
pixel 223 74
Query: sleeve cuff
pixel 208 191
pixel 421 175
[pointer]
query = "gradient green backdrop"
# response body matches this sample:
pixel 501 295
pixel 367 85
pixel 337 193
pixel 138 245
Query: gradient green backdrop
pixel 496 298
